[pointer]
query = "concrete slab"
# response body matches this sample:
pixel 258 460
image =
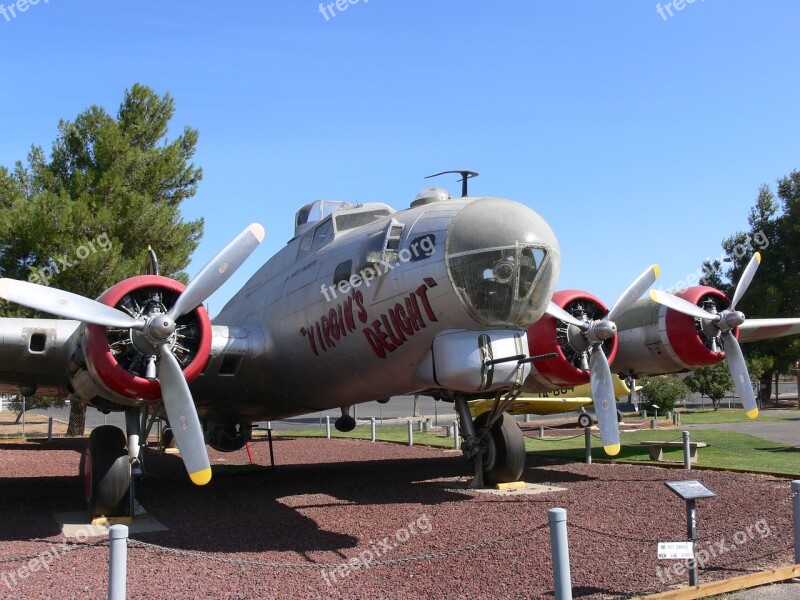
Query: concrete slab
pixel 76 525
pixel 459 484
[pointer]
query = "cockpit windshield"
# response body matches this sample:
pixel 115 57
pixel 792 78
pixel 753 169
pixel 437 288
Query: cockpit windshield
pixel 316 211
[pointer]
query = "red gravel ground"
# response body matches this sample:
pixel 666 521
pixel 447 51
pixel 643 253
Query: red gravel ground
pixel 332 500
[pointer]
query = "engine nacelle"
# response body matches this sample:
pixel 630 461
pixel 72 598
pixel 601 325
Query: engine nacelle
pixel 654 339
pixel 549 335
pixel 116 359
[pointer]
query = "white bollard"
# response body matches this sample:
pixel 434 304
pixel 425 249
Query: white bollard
pixel 559 546
pixel 372 428
pixel 117 562
pixel 410 432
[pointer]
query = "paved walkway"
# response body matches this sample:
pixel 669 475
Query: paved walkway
pixel 779 591
pixel 786 431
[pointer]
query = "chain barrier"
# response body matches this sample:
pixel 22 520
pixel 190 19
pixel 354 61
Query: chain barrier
pixel 615 535
pixel 67 550
pixel 371 563
pixel 555 439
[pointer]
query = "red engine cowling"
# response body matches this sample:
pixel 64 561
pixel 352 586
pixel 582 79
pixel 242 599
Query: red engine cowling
pixel 117 357
pixel 690 341
pixel 550 335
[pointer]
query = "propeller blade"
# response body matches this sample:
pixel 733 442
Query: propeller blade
pixel 554 310
pixel 746 279
pixel 634 291
pixel 741 378
pixel 605 404
pixel 217 271
pixel 65 304
pixel 183 418
pixel 682 306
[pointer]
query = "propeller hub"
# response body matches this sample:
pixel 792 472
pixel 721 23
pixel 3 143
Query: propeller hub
pixel 160 327
pixel 603 330
pixel 732 319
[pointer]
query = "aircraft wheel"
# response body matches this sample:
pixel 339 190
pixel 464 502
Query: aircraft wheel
pixel 107 473
pixel 168 438
pixel 504 454
pixel 584 420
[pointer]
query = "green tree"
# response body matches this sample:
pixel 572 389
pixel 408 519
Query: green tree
pixel 33 403
pixel 713 381
pixel 663 391
pixel 774 230
pixel 81 220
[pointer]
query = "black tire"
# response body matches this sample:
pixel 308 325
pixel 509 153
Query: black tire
pixel 107 473
pixel 168 438
pixel 504 458
pixel 584 420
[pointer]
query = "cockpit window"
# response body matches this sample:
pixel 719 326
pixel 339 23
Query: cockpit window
pixel 357 219
pixel 316 211
pixel 322 234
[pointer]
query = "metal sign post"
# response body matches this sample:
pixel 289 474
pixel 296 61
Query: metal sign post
pixel 691 491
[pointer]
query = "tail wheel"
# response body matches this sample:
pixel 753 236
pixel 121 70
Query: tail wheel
pixel 584 420
pixel 107 473
pixel 504 452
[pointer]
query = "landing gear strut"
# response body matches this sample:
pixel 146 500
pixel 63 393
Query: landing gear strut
pixel 497 451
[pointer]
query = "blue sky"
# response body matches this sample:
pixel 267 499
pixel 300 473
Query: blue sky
pixel 640 139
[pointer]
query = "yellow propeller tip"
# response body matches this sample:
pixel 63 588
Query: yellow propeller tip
pixel 612 449
pixel 752 414
pixel 654 295
pixel 657 271
pixel 758 257
pixel 201 477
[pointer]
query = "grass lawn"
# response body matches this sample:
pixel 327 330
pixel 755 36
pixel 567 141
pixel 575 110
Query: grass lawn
pixel 723 415
pixel 384 434
pixel 726 449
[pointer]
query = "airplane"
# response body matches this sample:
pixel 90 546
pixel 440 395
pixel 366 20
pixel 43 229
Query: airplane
pixel 363 303
pixel 558 401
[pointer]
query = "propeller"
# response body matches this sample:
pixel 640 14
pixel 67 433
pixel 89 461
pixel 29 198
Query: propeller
pixel 593 333
pixel 720 325
pixel 158 330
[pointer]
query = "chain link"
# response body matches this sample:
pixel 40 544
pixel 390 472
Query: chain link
pixel 615 535
pixel 55 550
pixel 371 563
pixel 554 439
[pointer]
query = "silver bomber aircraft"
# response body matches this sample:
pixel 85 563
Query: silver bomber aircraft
pixel 452 297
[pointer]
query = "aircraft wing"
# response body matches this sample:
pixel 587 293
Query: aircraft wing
pixel 754 330
pixel 35 353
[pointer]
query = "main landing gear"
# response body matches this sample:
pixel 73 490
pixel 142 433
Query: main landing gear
pixel 494 443
pixel 107 473
pixel 112 462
